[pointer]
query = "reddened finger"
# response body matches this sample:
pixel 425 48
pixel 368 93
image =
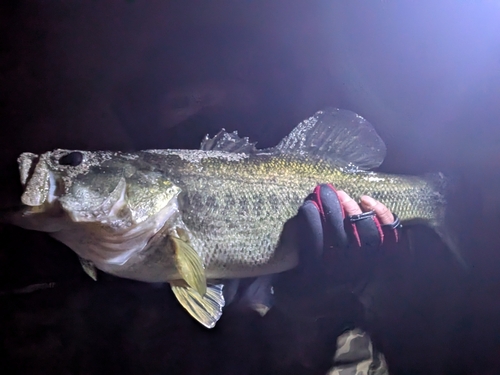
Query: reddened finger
pixel 383 213
pixel 351 207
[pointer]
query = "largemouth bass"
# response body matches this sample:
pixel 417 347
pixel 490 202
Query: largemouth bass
pixel 194 218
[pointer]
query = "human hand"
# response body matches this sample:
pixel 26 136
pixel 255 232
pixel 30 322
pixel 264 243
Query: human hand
pixel 332 220
pixel 338 240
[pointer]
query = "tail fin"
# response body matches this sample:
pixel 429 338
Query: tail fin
pixel 452 242
pixel 444 187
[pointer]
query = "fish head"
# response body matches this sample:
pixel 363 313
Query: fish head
pixel 67 188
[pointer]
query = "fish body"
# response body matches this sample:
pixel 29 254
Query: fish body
pixel 195 217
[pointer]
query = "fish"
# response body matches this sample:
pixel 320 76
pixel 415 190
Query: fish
pixel 197 219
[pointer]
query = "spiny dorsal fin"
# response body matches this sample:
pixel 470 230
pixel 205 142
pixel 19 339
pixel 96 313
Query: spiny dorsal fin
pixel 339 136
pixel 205 309
pixel 229 142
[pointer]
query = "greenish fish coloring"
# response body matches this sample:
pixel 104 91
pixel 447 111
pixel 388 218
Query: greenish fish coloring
pixel 198 218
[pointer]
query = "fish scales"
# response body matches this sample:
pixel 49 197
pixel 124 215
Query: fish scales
pixel 196 218
pixel 239 219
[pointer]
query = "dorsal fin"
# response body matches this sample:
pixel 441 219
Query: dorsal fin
pixel 339 136
pixel 229 142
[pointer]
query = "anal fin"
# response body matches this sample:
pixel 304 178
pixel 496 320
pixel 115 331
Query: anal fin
pixel 206 309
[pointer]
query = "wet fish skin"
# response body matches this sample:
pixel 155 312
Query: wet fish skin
pixel 235 206
pixel 189 217
pixel 236 209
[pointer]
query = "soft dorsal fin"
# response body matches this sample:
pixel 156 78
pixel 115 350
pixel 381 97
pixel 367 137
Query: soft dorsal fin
pixel 339 136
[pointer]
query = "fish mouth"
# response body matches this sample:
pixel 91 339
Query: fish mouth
pixel 39 182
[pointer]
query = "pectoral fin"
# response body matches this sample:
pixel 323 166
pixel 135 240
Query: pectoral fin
pixel 205 309
pixel 89 268
pixel 189 264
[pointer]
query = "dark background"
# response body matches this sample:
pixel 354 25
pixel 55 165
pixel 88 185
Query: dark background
pixel 114 74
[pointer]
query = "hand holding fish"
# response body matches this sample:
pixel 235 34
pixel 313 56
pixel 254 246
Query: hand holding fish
pixel 335 218
pixel 339 239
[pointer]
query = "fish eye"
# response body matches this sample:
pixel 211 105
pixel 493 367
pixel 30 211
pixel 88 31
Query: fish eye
pixel 72 159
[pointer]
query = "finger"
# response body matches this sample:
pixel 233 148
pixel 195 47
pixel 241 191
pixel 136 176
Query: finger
pixel 383 213
pixel 363 232
pixel 349 204
pixel 312 232
pixel 333 213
